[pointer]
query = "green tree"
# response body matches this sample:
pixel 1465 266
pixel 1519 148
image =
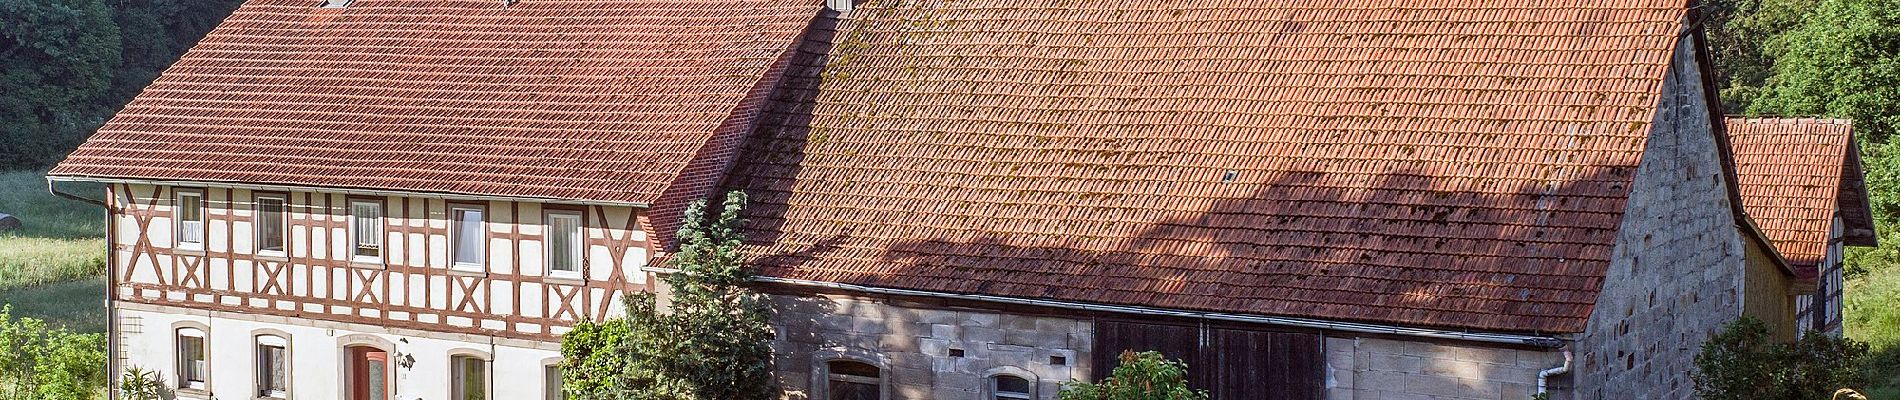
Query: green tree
pixel 38 362
pixel 1745 362
pixel 1738 33
pixel 1842 60
pixel 66 65
pixel 56 62
pixel 709 341
pixel 1139 376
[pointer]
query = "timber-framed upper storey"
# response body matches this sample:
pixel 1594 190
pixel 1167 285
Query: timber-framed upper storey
pixel 414 281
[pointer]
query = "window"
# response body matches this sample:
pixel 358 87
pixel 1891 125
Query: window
pixel 552 381
pixel 469 236
pixel 192 369
pixel 270 224
pixel 335 3
pixel 1010 387
pixel 190 214
pixel 273 369
pixel 852 380
pixel 470 378
pixel 366 223
pixel 564 244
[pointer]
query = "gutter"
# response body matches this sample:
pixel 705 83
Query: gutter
pixel 344 190
pixel 1547 342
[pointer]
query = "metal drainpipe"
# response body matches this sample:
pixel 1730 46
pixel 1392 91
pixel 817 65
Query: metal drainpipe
pixel 112 288
pixel 1543 377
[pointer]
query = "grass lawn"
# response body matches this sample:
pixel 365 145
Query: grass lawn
pixel 51 268
pixel 78 305
pixel 1873 316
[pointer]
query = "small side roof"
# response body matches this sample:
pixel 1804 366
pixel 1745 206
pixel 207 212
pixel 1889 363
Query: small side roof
pixel 1794 174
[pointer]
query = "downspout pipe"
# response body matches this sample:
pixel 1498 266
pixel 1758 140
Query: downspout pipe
pixel 1543 377
pixel 112 286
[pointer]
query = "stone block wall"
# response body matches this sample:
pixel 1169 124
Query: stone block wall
pixel 1678 267
pixel 1387 369
pixel 925 351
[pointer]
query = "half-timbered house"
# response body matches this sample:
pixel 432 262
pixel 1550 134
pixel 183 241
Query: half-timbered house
pixel 959 199
pixel 1802 181
pixel 413 199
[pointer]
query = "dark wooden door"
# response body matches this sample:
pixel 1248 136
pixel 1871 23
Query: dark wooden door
pixel 369 374
pixel 1231 364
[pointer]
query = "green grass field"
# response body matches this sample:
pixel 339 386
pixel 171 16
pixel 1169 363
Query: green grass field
pixel 50 269
pixel 1873 316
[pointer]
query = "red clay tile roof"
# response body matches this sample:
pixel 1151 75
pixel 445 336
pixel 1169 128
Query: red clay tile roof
pixel 1789 173
pixel 1453 164
pixel 602 100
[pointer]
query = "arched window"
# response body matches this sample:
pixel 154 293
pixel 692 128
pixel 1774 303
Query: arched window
pixel 1011 387
pixel 853 380
pixel 192 365
pixel 468 376
pixel 273 367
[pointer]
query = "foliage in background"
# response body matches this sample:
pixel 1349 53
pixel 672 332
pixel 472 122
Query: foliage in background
pixel 710 341
pixel 1738 33
pixel 1745 362
pixel 1139 376
pixel 1839 59
pixel 68 65
pixel 1872 316
pixel 42 363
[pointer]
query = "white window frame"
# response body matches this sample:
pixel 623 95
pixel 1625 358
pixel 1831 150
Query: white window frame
pixel 458 375
pixel 356 244
pixel 183 225
pixel 283 224
pixel 204 356
pixel 455 236
pixel 262 342
pixel 579 244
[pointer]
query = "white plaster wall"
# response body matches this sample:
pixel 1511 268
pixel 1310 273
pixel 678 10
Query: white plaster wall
pixel 316 355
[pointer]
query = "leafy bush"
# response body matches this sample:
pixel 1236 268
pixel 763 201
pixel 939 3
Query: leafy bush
pixel 141 384
pixel 1744 362
pixel 709 342
pixel 41 363
pixel 1139 376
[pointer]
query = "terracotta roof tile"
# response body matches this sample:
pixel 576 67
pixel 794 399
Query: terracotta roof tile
pixel 602 100
pixel 1436 163
pixel 1789 172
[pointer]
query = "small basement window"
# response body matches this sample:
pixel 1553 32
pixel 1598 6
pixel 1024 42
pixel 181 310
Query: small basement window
pixel 852 380
pixel 1010 387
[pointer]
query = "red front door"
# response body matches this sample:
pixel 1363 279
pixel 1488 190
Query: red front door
pixel 369 374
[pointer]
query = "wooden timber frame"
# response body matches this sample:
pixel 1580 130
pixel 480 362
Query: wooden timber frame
pixel 412 287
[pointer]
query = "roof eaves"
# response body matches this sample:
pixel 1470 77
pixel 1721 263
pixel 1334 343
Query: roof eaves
pixel 337 189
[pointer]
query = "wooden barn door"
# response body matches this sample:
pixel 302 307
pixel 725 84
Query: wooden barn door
pixel 1231 364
